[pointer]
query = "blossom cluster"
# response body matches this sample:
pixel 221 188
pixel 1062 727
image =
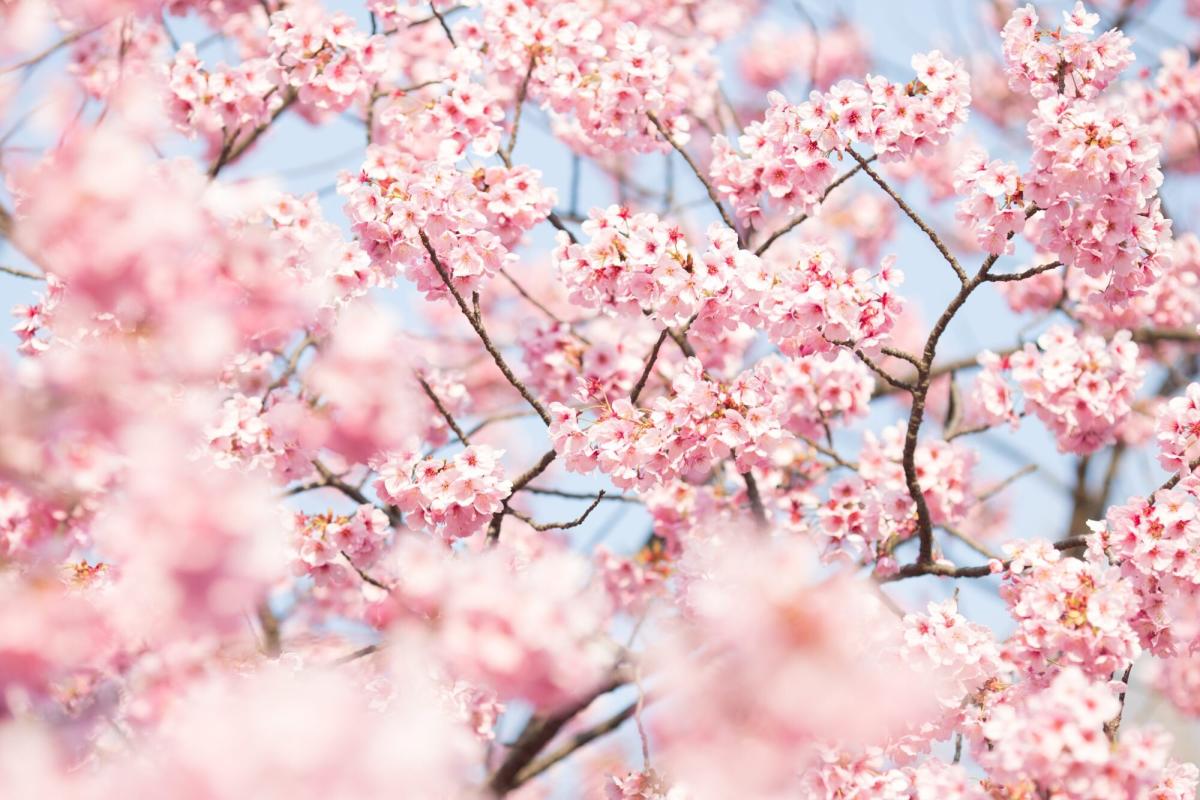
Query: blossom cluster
pixel 402 207
pixel 874 508
pixel 683 434
pixel 635 262
pixel 1066 60
pixel 1081 387
pixel 1079 610
pixel 324 543
pixel 788 156
pixel 455 496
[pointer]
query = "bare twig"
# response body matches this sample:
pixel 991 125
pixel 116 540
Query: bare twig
pixel 708 187
pixel 477 323
pixel 914 216
pixel 554 526
pixel 20 273
pixel 446 415
pixel 645 376
pixel 797 221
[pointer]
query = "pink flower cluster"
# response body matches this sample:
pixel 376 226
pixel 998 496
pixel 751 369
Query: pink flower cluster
pixel 865 510
pixel 787 155
pixel 1069 611
pixel 1054 736
pixel 821 390
pixel 634 263
pixel 398 197
pixel 326 60
pixel 323 543
pixel 769 627
pixel 242 436
pixel 808 301
pixel 866 776
pixel 561 365
pixel 1065 60
pixel 228 100
pixel 1157 543
pixel 964 652
pixel 455 496
pixel 466 115
pixel 991 206
pixel 600 74
pixel 632 582
pixel 681 435
pixel 1095 176
pixel 531 631
pixel 1178 431
pixel 35 318
pixel 1080 386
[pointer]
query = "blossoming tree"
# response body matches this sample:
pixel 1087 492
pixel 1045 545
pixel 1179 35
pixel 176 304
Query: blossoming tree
pixel 576 435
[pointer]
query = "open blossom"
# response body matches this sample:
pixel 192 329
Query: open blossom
pixel 455 496
pixel 398 202
pixel 991 399
pixel 1080 387
pixel 327 541
pixel 1095 176
pixel 991 205
pixel 1156 541
pixel 600 72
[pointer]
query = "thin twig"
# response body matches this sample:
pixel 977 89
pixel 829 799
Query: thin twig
pixel 20 273
pixel 446 415
pixel 787 228
pixel 708 187
pixel 521 94
pixel 645 376
pixel 914 216
pixel 616 498
pixel 555 526
pixel 1028 469
pixel 441 18
pixel 477 324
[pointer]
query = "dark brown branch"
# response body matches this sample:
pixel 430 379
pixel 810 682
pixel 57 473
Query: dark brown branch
pixel 645 376
pixel 576 743
pixel 616 498
pixel 790 226
pixel 366 577
pixel 493 531
pixel 950 571
pixel 537 734
pixel 1029 273
pixel 441 18
pixel 708 187
pixel 441 408
pixel 477 323
pixel 914 216
pixel 553 526
pixel 353 492
pixel 233 149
